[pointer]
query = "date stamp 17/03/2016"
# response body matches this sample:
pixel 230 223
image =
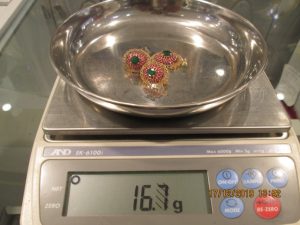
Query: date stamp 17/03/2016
pixel 244 193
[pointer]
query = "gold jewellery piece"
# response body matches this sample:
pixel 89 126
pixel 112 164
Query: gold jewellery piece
pixel 154 72
pixel 170 59
pixel 134 59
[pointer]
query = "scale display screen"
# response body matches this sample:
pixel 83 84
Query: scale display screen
pixel 127 193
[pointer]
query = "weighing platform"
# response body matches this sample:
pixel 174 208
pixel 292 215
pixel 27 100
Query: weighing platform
pixel 237 164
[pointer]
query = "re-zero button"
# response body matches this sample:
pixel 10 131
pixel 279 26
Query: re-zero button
pixel 268 207
pixel 227 179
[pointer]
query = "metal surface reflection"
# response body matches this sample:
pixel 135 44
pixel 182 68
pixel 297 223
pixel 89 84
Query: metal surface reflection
pixel 6 107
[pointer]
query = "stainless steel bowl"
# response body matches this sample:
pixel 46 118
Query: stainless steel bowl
pixel 224 52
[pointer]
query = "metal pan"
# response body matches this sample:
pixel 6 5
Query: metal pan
pixel 223 51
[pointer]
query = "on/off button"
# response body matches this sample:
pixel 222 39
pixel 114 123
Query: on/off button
pixel 227 179
pixel 268 207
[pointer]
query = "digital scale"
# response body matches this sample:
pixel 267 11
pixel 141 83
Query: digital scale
pixel 237 164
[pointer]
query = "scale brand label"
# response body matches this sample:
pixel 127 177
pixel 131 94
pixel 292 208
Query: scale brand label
pixel 73 151
pixel 61 152
pixel 100 151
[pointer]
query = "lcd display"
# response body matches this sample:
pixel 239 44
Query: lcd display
pixel 140 193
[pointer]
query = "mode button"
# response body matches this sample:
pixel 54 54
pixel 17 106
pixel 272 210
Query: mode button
pixel 232 208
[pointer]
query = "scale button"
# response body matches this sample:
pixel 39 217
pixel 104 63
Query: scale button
pixel 267 207
pixel 227 179
pixel 277 177
pixel 232 207
pixel 252 178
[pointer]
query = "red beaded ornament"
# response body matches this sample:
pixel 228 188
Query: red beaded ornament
pixel 134 59
pixel 154 73
pixel 170 59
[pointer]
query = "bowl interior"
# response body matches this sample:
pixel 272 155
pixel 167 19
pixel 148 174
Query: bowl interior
pixel 223 52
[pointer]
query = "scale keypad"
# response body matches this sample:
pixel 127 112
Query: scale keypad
pixel 265 205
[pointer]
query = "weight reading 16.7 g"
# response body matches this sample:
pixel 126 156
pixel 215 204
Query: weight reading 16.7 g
pixel 158 200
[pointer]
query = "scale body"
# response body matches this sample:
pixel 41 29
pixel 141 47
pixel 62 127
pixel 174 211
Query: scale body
pixel 238 164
